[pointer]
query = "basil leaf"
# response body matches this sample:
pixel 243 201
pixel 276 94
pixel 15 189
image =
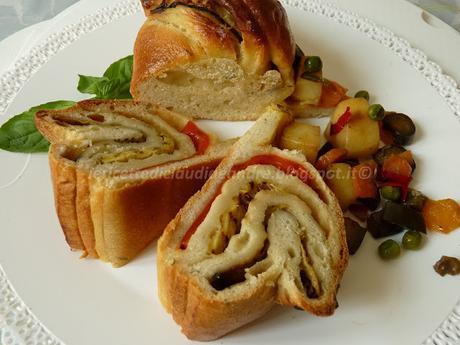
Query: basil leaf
pixel 121 69
pixel 19 134
pixel 88 84
pixel 114 84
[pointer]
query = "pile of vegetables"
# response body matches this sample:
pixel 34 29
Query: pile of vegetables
pixel 367 166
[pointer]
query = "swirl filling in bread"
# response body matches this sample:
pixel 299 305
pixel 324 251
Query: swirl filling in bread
pixel 117 169
pixel 264 229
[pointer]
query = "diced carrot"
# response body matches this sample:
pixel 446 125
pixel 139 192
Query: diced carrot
pixel 407 155
pixel 333 93
pixel 364 180
pixel 442 215
pixel 397 165
pixel 333 156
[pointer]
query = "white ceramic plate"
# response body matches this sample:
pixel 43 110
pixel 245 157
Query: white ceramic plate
pixel 88 302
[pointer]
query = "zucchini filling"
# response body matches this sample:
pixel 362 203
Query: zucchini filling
pixel 140 141
pixel 230 225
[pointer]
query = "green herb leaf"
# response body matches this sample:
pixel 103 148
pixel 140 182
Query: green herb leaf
pixel 19 134
pixel 114 84
pixel 88 84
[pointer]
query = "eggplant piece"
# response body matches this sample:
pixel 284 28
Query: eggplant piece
pixel 416 199
pixel 404 216
pixel 371 203
pixel 352 162
pixel 401 127
pixel 386 151
pixel 355 235
pixel 224 280
pixel 324 149
pixel 379 228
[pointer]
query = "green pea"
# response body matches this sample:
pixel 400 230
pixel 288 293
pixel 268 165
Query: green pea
pixel 313 64
pixel 390 193
pixel 376 112
pixel 412 240
pixel 363 94
pixel 389 250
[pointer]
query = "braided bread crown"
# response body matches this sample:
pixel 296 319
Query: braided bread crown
pixel 219 59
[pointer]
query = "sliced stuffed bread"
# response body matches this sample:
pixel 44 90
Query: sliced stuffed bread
pixel 121 170
pixel 264 229
pixel 223 60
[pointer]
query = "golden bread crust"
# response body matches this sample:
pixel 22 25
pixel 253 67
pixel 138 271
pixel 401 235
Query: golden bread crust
pixel 201 311
pixel 240 47
pixel 114 215
pixel 64 179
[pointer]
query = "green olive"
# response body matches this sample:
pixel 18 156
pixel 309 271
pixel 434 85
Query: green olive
pixel 412 240
pixel 363 94
pixel 313 64
pixel 390 193
pixel 389 250
pixel 376 112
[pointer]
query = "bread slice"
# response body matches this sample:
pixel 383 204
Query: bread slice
pixel 222 60
pixel 121 170
pixel 264 229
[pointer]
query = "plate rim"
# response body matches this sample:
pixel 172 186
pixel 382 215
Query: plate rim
pixel 13 80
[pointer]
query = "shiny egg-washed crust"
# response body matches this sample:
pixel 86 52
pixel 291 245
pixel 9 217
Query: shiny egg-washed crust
pixel 194 306
pixel 261 24
pixel 115 222
pixel 244 47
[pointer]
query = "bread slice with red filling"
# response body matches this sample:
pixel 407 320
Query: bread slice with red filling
pixel 265 229
pixel 121 170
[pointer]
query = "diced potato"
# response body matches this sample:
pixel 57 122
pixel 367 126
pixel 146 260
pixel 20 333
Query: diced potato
pixel 361 136
pixel 339 178
pixel 308 91
pixel 302 137
pixel 359 108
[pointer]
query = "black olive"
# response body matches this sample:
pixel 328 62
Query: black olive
pixel 401 127
pixel 355 235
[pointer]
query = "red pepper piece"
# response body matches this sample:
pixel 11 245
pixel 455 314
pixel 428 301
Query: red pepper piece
pixel 337 127
pixel 199 138
pixel 395 180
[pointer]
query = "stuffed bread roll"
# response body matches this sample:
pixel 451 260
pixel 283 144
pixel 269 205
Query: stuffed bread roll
pixel 121 170
pixel 221 60
pixel 264 229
